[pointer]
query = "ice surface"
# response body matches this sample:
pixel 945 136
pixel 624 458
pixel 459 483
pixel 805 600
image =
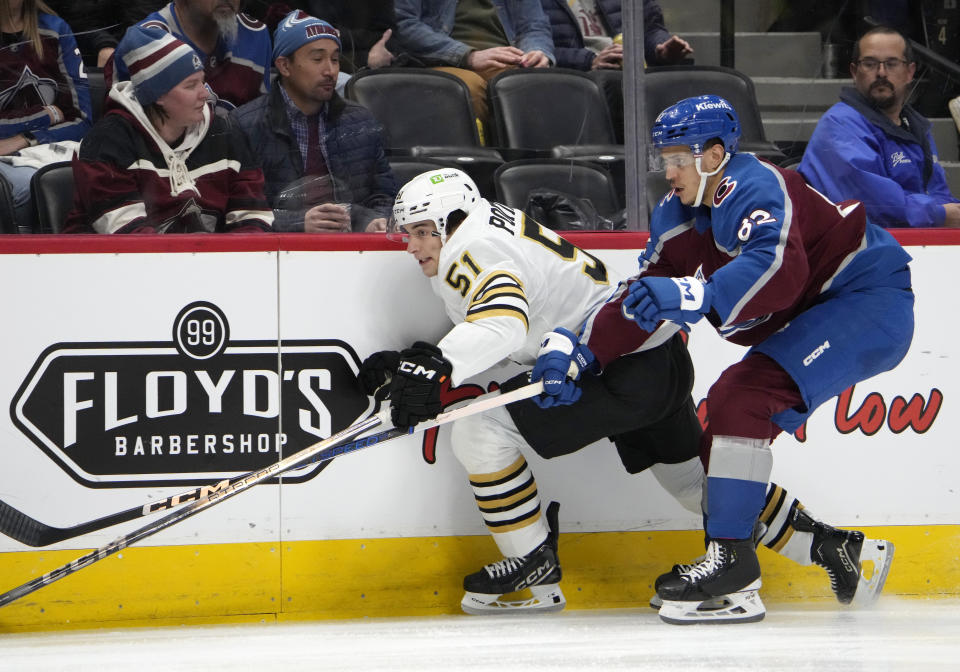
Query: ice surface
pixel 895 634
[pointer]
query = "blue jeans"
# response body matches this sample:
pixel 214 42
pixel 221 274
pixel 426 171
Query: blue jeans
pixel 18 177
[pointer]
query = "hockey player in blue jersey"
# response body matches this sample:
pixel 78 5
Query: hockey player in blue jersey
pixel 821 296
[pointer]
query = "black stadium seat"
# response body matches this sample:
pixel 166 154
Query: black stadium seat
pixel 8 220
pixel 98 91
pixel 516 179
pixel 405 169
pixel 427 115
pixel 52 192
pixel 611 83
pixel 417 107
pixel 536 110
pixel 664 86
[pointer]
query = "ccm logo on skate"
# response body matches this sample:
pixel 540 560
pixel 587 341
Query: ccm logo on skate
pixel 193 408
pixel 808 360
pixel 535 577
pixel 844 558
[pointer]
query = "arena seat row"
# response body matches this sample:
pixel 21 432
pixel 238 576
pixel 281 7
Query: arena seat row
pixel 512 181
pixel 541 113
pixel 535 111
pixel 555 116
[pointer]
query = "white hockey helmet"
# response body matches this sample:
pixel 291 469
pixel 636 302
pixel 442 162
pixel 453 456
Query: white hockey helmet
pixel 433 196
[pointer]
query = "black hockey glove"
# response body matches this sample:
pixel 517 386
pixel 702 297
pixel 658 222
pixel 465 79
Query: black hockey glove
pixel 377 369
pixel 415 388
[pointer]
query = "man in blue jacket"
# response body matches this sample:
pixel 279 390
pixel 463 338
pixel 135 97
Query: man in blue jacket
pixel 322 157
pixel 873 147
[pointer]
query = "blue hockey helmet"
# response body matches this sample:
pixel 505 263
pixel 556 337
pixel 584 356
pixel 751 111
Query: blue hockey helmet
pixel 695 121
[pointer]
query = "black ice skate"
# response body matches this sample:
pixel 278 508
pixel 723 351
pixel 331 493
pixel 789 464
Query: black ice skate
pixel 539 571
pixel 721 588
pixel 857 566
pixel 759 529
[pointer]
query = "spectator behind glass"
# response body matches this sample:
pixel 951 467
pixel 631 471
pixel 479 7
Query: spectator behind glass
pixel 234 48
pixel 365 27
pixel 160 161
pixel 318 151
pixel 45 95
pixel 588 34
pixel 92 27
pixel 99 24
pixel 475 39
pixel 873 147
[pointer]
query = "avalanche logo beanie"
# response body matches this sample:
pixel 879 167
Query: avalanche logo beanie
pixel 156 60
pixel 297 29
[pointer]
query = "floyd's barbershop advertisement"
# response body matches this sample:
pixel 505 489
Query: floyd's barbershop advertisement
pixel 131 377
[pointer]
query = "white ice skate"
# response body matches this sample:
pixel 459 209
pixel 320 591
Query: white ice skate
pixel 744 606
pixel 545 597
pixel 876 557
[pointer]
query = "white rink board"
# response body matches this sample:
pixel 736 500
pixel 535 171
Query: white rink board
pixel 375 300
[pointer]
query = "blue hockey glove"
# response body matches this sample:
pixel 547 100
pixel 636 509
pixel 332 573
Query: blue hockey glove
pixel 560 362
pixel 680 300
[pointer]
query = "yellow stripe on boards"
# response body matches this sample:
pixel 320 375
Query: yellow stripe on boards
pixel 144 585
pixel 235 583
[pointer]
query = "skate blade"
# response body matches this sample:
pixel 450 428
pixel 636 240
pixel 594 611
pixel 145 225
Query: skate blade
pixel 741 607
pixel 876 556
pixel 544 598
pixel 656 602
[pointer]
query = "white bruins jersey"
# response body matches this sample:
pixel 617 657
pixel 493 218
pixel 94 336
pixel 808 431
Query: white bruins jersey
pixel 505 281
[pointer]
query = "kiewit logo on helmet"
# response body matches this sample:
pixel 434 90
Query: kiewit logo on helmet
pixel 700 107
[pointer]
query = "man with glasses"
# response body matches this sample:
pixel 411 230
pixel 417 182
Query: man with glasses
pixel 875 148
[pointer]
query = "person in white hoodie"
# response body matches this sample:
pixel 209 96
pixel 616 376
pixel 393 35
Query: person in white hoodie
pixel 159 161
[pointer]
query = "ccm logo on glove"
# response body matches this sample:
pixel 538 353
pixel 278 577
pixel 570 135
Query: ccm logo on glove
pixel 418 370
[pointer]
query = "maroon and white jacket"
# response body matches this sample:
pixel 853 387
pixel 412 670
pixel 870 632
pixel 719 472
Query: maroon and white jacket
pixel 128 180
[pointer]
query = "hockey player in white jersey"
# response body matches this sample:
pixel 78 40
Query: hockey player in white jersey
pixel 516 290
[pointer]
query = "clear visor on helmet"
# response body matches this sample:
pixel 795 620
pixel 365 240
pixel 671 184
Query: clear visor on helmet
pixel 417 230
pixel 395 232
pixel 657 162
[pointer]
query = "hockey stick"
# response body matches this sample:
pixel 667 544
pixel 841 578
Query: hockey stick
pixel 338 444
pixel 32 532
